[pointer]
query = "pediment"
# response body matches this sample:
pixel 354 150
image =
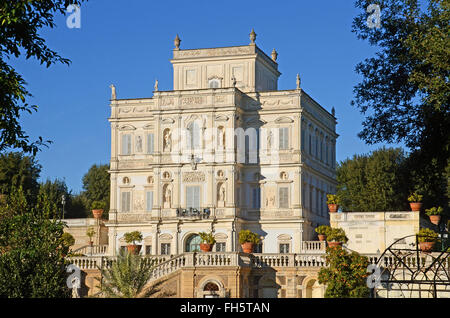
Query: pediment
pixel 127 127
pixel 284 120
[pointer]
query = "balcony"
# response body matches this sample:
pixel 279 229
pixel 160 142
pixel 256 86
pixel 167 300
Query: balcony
pixel 192 213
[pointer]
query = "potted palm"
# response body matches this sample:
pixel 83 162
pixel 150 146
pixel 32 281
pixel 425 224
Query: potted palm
pixel 248 239
pixel 434 214
pixel 332 202
pixel 427 238
pixel 131 238
pixel 97 208
pixel 415 201
pixel 90 233
pixel 208 241
pixel 336 237
pixel 322 232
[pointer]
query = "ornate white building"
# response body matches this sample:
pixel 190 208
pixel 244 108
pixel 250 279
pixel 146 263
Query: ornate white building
pixel 225 150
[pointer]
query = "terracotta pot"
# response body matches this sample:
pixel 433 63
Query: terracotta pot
pixel 97 213
pixel 435 219
pixel 333 208
pixel 426 247
pixel 133 249
pixel 415 206
pixel 91 243
pixel 206 247
pixel 322 237
pixel 247 247
pixel 334 244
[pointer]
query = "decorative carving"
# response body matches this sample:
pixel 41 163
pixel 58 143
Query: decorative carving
pixel 252 37
pixel 192 100
pixel 167 147
pixel 150 180
pixel 214 52
pixel 126 180
pixel 274 55
pixel 193 177
pixel 167 101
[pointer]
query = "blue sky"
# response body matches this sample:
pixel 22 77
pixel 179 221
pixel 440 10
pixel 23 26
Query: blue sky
pixel 129 43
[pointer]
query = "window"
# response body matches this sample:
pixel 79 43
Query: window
pixel 126 201
pixel 148 250
pixel 149 199
pixel 193 197
pixel 214 83
pixel 310 144
pixel 284 248
pixel 258 248
pixel 165 248
pixel 284 197
pixel 284 138
pixel 193 139
pixel 256 198
pixel 150 143
pixel 303 132
pixel 326 154
pixel 220 247
pixel 126 144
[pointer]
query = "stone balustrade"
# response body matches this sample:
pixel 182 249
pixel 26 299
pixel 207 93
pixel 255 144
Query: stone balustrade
pixel 314 247
pixel 95 250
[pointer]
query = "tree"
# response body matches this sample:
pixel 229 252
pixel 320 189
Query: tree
pixel 31 254
pixel 18 170
pixel 374 182
pixel 96 185
pixel 128 277
pixel 52 191
pixel 404 92
pixel 345 274
pixel 21 22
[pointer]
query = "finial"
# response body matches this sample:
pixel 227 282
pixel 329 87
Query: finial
pixel 274 55
pixel 333 111
pixel 113 92
pixel 156 85
pixel 233 81
pixel 252 37
pixel 177 42
pixel 298 81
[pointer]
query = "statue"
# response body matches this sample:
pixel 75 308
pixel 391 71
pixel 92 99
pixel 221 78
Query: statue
pixel 274 55
pixel 167 198
pixel 156 85
pixel 298 81
pixel 222 193
pixel 113 92
pixel 167 141
pixel 177 42
pixel 75 286
pixel 221 138
pixel 269 140
pixel 252 37
pixel 138 144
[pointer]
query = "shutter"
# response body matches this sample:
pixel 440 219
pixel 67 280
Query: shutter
pixel 188 197
pixel 125 201
pixel 150 143
pixel 284 138
pixel 254 197
pixel 284 198
pixel 149 200
pixel 124 145
pixel 196 198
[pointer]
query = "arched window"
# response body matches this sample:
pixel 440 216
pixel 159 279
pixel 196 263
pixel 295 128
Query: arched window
pixel 214 83
pixel 211 287
pixel 193 243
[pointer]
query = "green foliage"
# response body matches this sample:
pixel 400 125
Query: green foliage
pixel 128 277
pixel 248 236
pixel 18 170
pixel 132 237
pixel 67 240
pixel 415 197
pixel 90 232
pixel 427 235
pixel 98 205
pixel 96 185
pixel 207 238
pixel 31 254
pixel 374 182
pixel 77 207
pixel 21 21
pixel 434 211
pixel 345 275
pixel 323 229
pixel 337 235
pixel 404 91
pixel 332 199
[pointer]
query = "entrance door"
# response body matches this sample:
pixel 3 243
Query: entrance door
pixel 193 243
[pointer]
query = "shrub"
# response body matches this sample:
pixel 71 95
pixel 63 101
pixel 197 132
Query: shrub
pixel 337 235
pixel 415 197
pixel 132 237
pixel 90 232
pixel 332 199
pixel 323 229
pixel 434 211
pixel 249 237
pixel 427 235
pixel 67 239
pixel 98 205
pixel 207 238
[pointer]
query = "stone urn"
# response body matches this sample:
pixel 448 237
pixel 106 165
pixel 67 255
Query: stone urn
pixel 415 206
pixel 205 247
pixel 334 244
pixel 97 213
pixel 333 208
pixel 435 219
pixel 133 249
pixel 322 237
pixel 247 247
pixel 426 247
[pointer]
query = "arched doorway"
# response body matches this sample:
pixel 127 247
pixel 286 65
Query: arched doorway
pixel 313 289
pixel 193 243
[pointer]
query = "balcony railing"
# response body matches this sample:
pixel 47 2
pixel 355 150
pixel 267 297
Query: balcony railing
pixel 192 213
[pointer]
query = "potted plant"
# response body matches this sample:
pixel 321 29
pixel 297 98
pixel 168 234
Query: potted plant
pixel 332 202
pixel 427 238
pixel 434 214
pixel 208 241
pixel 97 208
pixel 90 233
pixel 415 201
pixel 336 237
pixel 322 232
pixel 248 239
pixel 131 238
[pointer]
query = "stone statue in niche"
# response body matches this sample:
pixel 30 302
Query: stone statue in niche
pixel 167 141
pixel 269 140
pixel 167 198
pixel 221 194
pixel 138 144
pixel 221 139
